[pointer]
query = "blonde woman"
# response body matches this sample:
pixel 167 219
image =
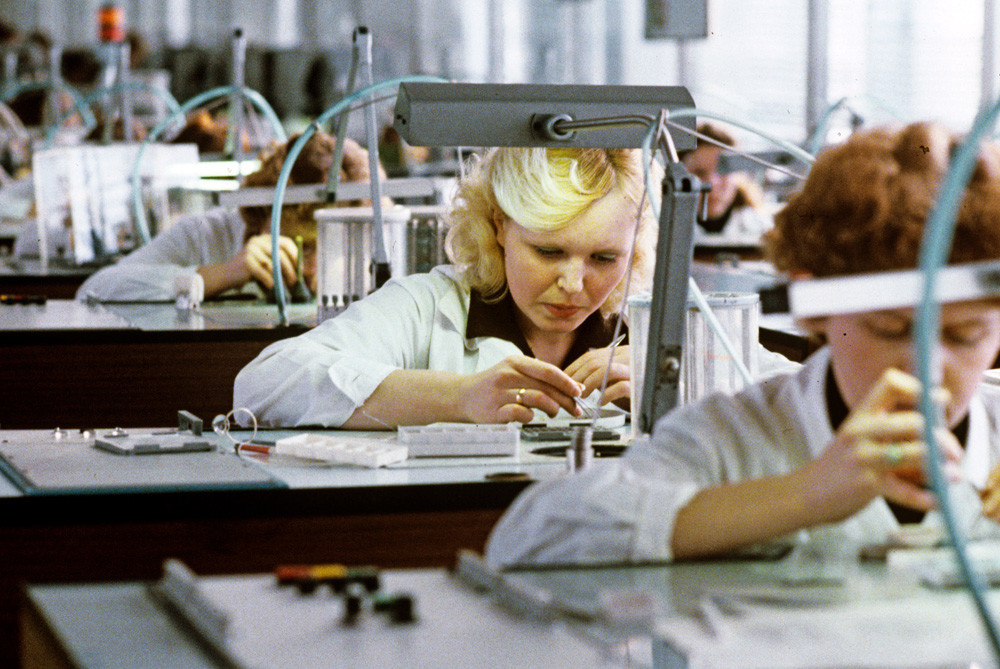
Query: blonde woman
pixel 521 320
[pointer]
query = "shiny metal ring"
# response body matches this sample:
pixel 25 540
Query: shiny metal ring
pixel 893 454
pixel 520 395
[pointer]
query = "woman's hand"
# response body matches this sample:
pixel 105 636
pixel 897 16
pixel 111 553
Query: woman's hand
pixel 513 388
pixel 879 451
pixel 256 255
pixel 991 495
pixel 251 262
pixel 588 370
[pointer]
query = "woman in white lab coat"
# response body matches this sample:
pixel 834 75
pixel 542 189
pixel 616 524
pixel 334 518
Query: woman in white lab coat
pixel 838 443
pixel 229 249
pixel 735 210
pixel 521 321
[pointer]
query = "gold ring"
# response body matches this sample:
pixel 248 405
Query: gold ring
pixel 520 395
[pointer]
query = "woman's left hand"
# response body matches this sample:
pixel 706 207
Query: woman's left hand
pixel 588 369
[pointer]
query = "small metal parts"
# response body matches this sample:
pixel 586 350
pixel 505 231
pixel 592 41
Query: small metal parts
pixel 580 454
pixel 359 587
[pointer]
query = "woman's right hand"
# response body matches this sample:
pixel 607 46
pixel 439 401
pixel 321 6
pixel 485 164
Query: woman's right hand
pixel 257 259
pixel 879 451
pixel 513 388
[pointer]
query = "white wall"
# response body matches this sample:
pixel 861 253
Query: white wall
pixel 923 58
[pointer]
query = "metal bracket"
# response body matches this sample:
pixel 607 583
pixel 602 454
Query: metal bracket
pixel 678 213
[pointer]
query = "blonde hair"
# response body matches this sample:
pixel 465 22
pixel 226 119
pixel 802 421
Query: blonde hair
pixel 543 190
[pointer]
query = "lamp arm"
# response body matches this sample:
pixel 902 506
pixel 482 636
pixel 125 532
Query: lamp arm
pixel 678 213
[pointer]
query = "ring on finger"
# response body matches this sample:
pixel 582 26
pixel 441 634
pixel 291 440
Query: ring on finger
pixel 519 398
pixel 892 454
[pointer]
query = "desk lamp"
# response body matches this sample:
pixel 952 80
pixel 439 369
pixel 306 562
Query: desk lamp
pixel 537 115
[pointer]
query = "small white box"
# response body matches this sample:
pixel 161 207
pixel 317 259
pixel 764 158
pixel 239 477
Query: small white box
pixel 342 450
pixel 460 439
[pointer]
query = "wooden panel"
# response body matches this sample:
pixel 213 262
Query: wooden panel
pixel 57 287
pixel 129 385
pixel 39 648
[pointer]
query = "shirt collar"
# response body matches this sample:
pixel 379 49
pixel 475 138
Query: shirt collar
pixel 837 409
pixel 498 319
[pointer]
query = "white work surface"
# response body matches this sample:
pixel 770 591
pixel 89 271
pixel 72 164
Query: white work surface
pixel 301 474
pixel 59 315
pixel 120 625
pixel 736 614
pixel 297 473
pixel 782 614
pixel 222 315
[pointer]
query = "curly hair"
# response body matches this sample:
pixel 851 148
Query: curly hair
pixel 311 166
pixel 865 202
pixel 542 189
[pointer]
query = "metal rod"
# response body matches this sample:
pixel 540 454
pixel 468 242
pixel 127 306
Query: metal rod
pixel 604 122
pixel 380 255
pixel 338 151
pixel 124 91
pixel 236 120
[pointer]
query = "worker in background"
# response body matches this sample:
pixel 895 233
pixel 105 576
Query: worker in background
pixel 522 321
pixel 837 443
pixel 204 130
pixel 30 103
pixel 231 249
pixel 734 207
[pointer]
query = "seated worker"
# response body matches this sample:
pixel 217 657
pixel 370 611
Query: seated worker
pixel 204 131
pixel 735 205
pixel 227 248
pixel 838 442
pixel 540 243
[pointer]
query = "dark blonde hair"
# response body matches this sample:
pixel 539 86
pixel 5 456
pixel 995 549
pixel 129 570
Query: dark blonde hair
pixel 311 166
pixel 541 189
pixel 865 203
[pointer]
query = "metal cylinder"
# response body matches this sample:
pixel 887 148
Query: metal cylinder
pixel 580 454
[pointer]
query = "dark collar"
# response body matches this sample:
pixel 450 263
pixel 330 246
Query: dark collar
pixel 717 224
pixel 837 410
pixel 499 320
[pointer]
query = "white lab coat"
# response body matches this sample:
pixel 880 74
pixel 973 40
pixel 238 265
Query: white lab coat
pixel 745 226
pixel 414 322
pixel 322 376
pixel 624 510
pixel 151 271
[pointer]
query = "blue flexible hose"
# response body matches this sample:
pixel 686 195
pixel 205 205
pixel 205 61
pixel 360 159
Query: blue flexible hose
pixel 934 250
pixel 139 211
pixel 89 120
pixel 286 169
pixel 86 101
